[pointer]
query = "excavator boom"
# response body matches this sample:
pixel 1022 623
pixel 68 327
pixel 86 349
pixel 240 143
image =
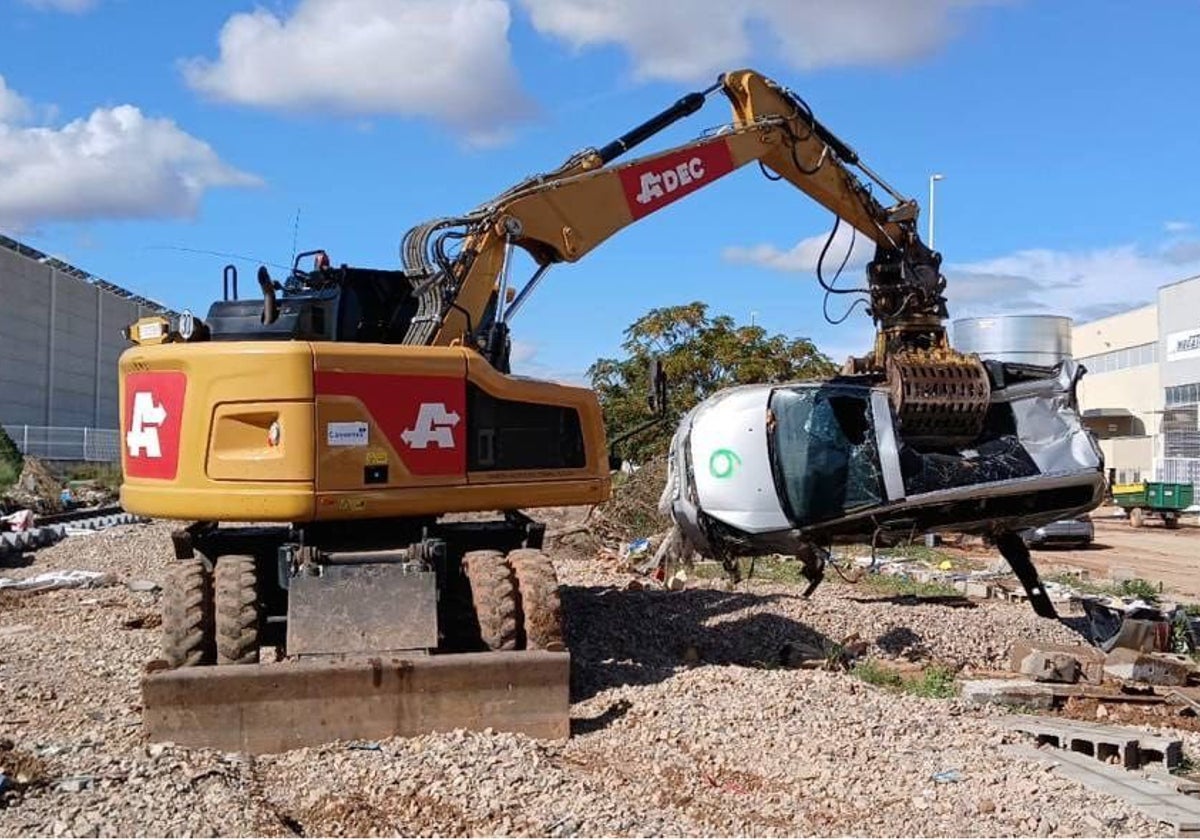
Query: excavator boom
pixel 563 215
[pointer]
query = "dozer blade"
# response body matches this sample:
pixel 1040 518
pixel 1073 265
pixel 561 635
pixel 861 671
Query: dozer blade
pixel 276 707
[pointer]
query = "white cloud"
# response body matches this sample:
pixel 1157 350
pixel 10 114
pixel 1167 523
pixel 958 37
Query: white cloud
pixel 689 39
pixel 1083 284
pixel 72 6
pixel 14 108
pixel 445 59
pixel 522 351
pixel 116 163
pixel 803 256
pixel 1177 227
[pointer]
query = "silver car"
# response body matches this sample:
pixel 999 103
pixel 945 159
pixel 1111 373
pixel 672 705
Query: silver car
pixel 786 468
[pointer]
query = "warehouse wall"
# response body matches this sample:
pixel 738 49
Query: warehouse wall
pixel 59 343
pixel 1179 326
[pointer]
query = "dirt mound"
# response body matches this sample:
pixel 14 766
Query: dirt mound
pixel 36 489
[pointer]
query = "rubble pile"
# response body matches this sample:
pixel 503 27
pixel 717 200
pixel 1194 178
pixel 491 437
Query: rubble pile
pixel 687 719
pixel 35 489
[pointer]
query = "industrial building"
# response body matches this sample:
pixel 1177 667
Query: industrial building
pixel 60 336
pixel 1141 394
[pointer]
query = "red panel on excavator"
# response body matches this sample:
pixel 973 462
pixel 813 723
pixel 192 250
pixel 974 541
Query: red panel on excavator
pixel 423 417
pixel 655 183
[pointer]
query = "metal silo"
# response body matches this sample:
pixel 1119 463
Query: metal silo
pixel 1029 339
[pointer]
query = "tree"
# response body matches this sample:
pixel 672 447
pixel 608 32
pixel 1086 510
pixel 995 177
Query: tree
pixel 700 355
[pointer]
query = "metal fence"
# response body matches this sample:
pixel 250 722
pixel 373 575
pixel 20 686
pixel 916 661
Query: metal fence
pixel 63 443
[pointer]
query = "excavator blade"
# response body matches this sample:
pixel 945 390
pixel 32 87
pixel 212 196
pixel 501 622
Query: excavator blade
pixel 281 706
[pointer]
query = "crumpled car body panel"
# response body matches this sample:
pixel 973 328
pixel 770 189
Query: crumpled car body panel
pixel 773 467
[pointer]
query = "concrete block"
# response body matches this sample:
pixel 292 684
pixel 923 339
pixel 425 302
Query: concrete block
pixel 1025 693
pixel 1134 747
pixel 1181 812
pixel 1089 659
pixel 1152 668
pixel 1051 667
pixel 961 585
pixel 978 589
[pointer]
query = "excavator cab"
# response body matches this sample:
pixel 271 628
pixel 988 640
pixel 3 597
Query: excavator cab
pixel 343 304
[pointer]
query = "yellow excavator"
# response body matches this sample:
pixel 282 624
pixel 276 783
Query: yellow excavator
pixel 318 437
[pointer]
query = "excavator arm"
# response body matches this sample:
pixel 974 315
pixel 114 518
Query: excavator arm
pixel 461 265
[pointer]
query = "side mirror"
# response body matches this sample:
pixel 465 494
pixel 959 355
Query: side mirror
pixel 658 388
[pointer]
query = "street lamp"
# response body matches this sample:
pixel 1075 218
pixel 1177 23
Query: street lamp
pixel 932 178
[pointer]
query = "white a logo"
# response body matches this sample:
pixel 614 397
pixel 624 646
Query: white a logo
pixel 434 425
pixel 658 184
pixel 143 426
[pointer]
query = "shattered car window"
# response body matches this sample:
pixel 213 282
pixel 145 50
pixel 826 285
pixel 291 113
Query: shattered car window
pixel 994 460
pixel 824 453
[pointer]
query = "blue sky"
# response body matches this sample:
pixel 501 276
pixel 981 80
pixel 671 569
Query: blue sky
pixel 130 129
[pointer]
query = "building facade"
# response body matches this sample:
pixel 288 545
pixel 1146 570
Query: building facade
pixel 1141 394
pixel 60 336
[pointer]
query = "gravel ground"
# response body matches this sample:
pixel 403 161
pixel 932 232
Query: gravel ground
pixel 684 725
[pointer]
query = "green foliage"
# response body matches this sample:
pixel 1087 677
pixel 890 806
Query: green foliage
pixel 1138 588
pixel 107 476
pixel 8 475
pixel 870 671
pixel 902 585
pixel 11 461
pixel 700 355
pixel 936 681
pixel 1134 588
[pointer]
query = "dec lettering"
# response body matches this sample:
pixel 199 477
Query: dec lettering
pixel 655 185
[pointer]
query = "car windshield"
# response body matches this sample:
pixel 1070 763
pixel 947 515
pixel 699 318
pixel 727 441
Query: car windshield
pixel 824 454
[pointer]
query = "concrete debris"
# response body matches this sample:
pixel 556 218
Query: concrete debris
pixel 1132 748
pixel 1008 692
pixel 1051 666
pixel 1151 668
pixel 1089 660
pixel 1154 800
pixel 77 784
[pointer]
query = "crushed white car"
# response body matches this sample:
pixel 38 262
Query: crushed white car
pixel 793 468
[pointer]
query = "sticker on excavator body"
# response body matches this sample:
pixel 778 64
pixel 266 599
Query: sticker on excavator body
pixel 422 417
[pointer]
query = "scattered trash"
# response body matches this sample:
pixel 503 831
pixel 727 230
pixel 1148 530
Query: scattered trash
pixel 677 581
pixel 945 565
pixel 368 746
pixel 142 586
pixel 21 520
pixel 5 784
pixel 76 784
pixel 71 579
pixel 946 777
pixel 635 550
